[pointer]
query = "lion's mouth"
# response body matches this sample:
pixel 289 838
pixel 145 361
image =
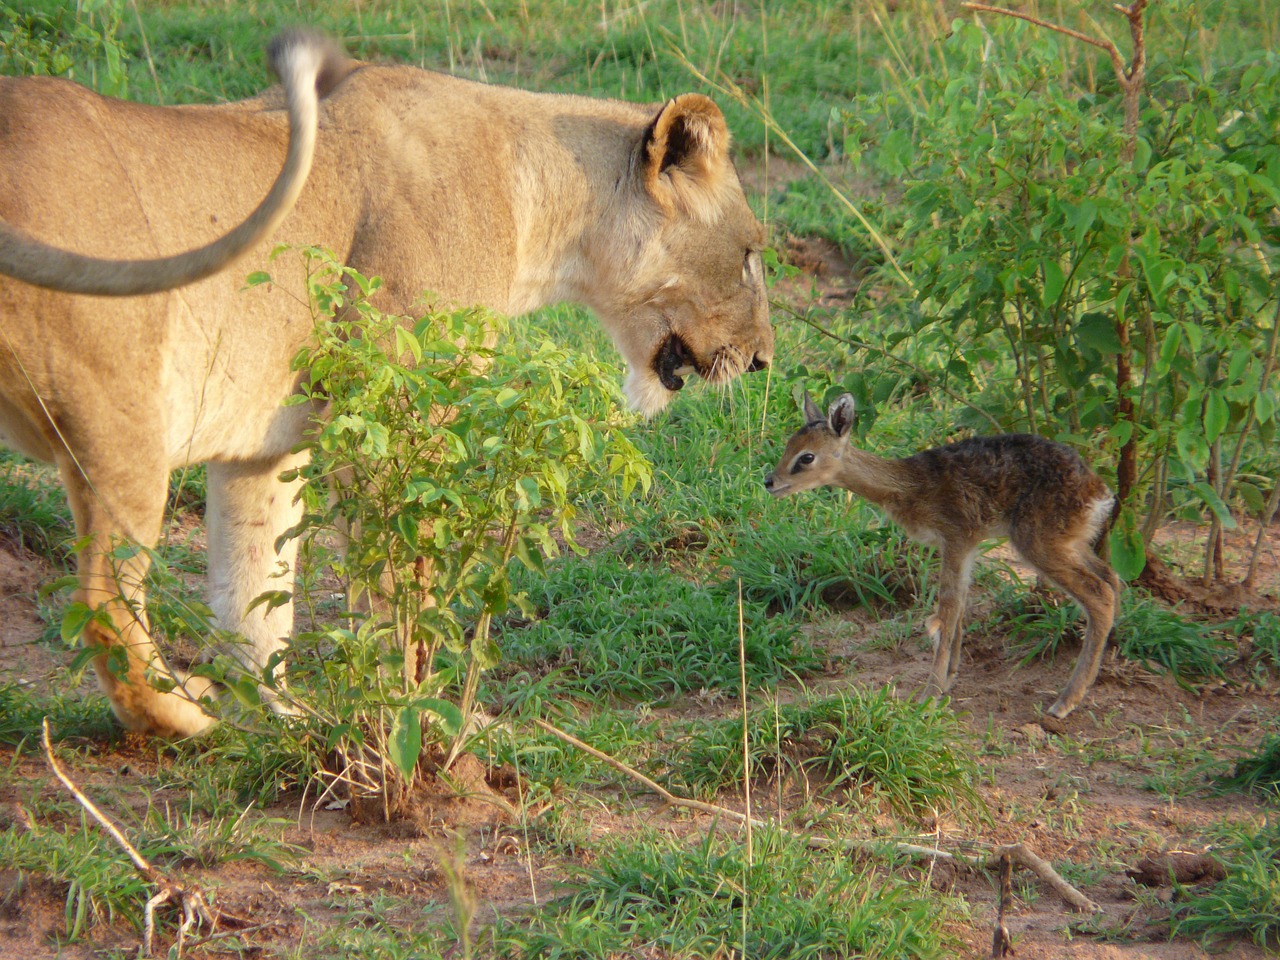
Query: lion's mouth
pixel 673 362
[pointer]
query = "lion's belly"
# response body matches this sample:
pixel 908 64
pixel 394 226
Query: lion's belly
pixel 228 375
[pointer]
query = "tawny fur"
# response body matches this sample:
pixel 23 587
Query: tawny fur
pixel 1038 493
pixel 480 194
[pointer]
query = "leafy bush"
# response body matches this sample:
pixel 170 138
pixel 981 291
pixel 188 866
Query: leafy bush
pixel 448 459
pixel 1103 285
pixel 77 41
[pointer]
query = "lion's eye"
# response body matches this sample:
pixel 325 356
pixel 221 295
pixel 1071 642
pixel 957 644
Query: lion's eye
pixel 751 268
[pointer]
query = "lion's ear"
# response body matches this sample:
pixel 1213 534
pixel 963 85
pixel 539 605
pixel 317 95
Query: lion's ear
pixel 685 156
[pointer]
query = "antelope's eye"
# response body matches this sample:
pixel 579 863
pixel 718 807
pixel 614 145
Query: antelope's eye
pixel 802 461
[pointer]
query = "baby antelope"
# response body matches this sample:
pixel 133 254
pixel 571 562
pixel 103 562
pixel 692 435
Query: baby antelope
pixel 1036 492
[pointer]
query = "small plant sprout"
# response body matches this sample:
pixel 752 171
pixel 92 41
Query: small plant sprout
pixel 1038 493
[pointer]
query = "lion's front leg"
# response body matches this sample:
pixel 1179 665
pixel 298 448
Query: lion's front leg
pixel 249 508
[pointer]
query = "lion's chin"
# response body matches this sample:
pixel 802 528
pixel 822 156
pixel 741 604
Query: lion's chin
pixel 645 392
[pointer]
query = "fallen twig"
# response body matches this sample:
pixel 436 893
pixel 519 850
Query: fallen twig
pixel 189 898
pixel 1022 855
pixel 1017 853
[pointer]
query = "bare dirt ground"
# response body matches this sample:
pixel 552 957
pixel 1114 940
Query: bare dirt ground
pixel 1077 792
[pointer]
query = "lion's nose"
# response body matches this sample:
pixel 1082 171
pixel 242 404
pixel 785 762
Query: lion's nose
pixel 758 363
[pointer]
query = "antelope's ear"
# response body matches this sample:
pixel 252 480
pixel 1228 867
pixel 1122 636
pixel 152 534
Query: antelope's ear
pixel 685 156
pixel 812 413
pixel 840 416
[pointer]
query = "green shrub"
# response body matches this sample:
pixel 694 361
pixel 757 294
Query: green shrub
pixel 448 460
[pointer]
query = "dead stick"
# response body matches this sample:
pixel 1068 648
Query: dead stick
pixel 190 899
pixel 822 843
pixel 1023 856
pixel 1017 852
pixel 1001 942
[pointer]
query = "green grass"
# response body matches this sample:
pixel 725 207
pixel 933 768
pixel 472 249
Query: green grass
pixel 710 898
pixel 1245 904
pixel 863 745
pixel 33 510
pixel 1151 633
pixel 639 631
pixel 1257 772
pixel 71 714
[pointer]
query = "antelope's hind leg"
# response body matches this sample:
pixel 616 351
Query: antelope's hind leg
pixel 1096 588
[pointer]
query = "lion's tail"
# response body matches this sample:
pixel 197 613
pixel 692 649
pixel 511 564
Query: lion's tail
pixel 309 65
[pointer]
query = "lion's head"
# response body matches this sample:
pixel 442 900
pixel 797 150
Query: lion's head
pixel 680 249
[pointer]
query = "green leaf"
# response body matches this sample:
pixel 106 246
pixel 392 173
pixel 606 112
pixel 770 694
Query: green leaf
pixel 1216 415
pixel 1264 406
pixel 407 527
pixel 1169 349
pixel 1141 154
pixel 1253 499
pixel 1128 552
pixel 1214 502
pixel 404 745
pixel 77 616
pixel 1098 331
pixel 448 714
pixel 406 342
pixel 1193 452
pixel 257 278
pixel 1054 281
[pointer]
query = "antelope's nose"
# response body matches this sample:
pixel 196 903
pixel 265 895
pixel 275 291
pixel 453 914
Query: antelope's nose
pixel 768 482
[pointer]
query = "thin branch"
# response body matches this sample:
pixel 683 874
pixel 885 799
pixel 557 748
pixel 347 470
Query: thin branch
pixel 1001 942
pixel 1023 856
pixel 139 861
pixel 1103 44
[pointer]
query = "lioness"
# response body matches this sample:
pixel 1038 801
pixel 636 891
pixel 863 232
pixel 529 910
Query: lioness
pixel 481 194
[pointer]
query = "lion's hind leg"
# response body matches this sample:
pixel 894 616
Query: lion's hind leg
pixel 118 508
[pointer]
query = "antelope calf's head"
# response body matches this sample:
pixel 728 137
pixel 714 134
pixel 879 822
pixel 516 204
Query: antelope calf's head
pixel 815 452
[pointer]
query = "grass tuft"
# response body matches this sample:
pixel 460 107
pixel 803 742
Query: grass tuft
pixel 661 896
pixel 1257 773
pixel 912 755
pixel 1247 902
